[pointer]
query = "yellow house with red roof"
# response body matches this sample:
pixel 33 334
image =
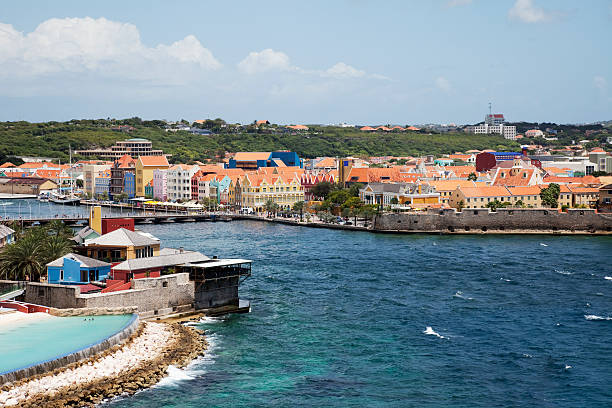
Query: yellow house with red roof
pixel 145 165
pixel 283 189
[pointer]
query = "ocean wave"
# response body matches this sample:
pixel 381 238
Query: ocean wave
pixel 430 331
pixel 595 317
pixel 608 277
pixel 505 280
pixel 564 272
pixel 459 294
pixel 542 244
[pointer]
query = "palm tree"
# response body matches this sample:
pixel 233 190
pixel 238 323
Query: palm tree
pixel 299 207
pixel 270 207
pixel 55 246
pixel 22 259
pixel 58 228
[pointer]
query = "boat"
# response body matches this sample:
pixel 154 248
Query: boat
pixel 58 198
pixel 43 197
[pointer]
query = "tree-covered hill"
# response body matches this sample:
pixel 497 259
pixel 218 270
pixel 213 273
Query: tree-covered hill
pixel 51 139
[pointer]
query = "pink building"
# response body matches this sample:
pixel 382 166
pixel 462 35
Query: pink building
pixel 160 184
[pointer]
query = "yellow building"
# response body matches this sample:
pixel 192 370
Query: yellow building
pixel 145 165
pixel 283 189
pixel 121 245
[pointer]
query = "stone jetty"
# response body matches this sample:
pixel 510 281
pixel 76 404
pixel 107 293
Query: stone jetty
pixel 138 363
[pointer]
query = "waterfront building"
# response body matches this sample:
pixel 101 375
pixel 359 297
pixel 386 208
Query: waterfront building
pixel 179 181
pixel 132 147
pixel 7 235
pixel 255 160
pixel 149 190
pixel 309 180
pixel 446 187
pixel 119 245
pixel 605 197
pixel 77 269
pixel 154 266
pixel 26 185
pixel 517 173
pixel 411 194
pixel 129 184
pixel 117 181
pixel 90 173
pixel 479 197
pixel 201 187
pixel 160 185
pixel 145 166
pixel 282 189
pixel 102 184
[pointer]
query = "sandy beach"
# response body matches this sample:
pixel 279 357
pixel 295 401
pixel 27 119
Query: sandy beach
pixel 11 318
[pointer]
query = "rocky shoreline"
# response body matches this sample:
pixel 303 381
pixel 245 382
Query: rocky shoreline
pixel 183 346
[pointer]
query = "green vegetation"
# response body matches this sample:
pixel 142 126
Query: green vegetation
pixel 51 139
pixel 34 248
pixel 550 195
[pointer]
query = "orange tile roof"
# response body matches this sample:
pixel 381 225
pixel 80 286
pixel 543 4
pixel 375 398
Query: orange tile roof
pixel 588 180
pixel 326 162
pixel 412 128
pixel 36 165
pixel 527 190
pixel 513 177
pixel 126 161
pixel 252 156
pixel 451 185
pixel 7 165
pixel 367 128
pixel 298 127
pixel 488 191
pixel 154 161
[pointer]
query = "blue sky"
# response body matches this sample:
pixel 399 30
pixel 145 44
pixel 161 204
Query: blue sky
pixel 355 61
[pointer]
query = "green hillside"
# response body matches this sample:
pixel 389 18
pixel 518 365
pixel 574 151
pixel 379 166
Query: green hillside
pixel 51 139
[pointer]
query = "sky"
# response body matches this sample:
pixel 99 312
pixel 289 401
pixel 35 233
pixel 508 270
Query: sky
pixel 317 61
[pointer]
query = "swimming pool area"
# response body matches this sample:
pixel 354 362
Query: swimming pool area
pixel 33 341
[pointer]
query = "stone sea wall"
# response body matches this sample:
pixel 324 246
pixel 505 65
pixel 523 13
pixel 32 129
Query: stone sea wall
pixel 85 353
pixel 151 296
pixel 503 220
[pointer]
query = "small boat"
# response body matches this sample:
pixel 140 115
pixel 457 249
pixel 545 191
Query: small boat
pixel 43 197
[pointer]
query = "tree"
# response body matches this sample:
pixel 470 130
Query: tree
pixel 461 205
pixel 394 200
pixel 472 176
pixel 298 207
pixel 270 207
pixel 550 195
pixel 322 189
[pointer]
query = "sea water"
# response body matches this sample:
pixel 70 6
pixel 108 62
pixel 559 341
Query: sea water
pixel 356 319
pixel 31 341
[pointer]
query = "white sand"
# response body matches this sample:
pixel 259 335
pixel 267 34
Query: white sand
pixel 145 347
pixel 14 318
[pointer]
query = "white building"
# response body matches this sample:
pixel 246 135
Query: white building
pixel 160 184
pixel 508 132
pixel 179 181
pixel 494 119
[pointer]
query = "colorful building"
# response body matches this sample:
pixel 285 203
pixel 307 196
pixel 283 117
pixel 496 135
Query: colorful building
pixel 129 184
pixel 256 160
pixel 145 166
pixel 160 185
pixel 282 189
pixel 77 269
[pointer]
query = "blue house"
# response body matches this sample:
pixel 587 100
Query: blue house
pixel 7 235
pixel 77 269
pixel 129 184
pixel 255 160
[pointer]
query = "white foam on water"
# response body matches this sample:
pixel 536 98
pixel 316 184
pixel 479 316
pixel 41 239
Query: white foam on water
pixel 527 355
pixel 459 294
pixel 175 376
pixel 434 244
pixel 505 280
pixel 542 244
pixel 5 204
pixel 567 367
pixel 595 317
pixel 431 332
pixel 608 277
pixel 564 272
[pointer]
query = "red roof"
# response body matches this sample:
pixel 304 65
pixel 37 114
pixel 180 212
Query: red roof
pixel 88 288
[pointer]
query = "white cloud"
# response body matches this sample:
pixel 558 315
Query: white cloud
pixel 600 83
pixel 342 70
pixel 455 3
pixel 264 61
pixel 443 84
pixel 527 12
pixel 99 45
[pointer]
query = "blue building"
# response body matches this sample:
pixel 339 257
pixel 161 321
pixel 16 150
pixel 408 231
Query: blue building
pixel 77 269
pixel 129 184
pixel 7 235
pixel 255 160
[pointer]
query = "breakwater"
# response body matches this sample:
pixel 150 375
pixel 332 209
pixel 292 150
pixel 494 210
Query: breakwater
pixel 574 221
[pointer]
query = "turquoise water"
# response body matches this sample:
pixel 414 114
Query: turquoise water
pixel 340 319
pixel 27 343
